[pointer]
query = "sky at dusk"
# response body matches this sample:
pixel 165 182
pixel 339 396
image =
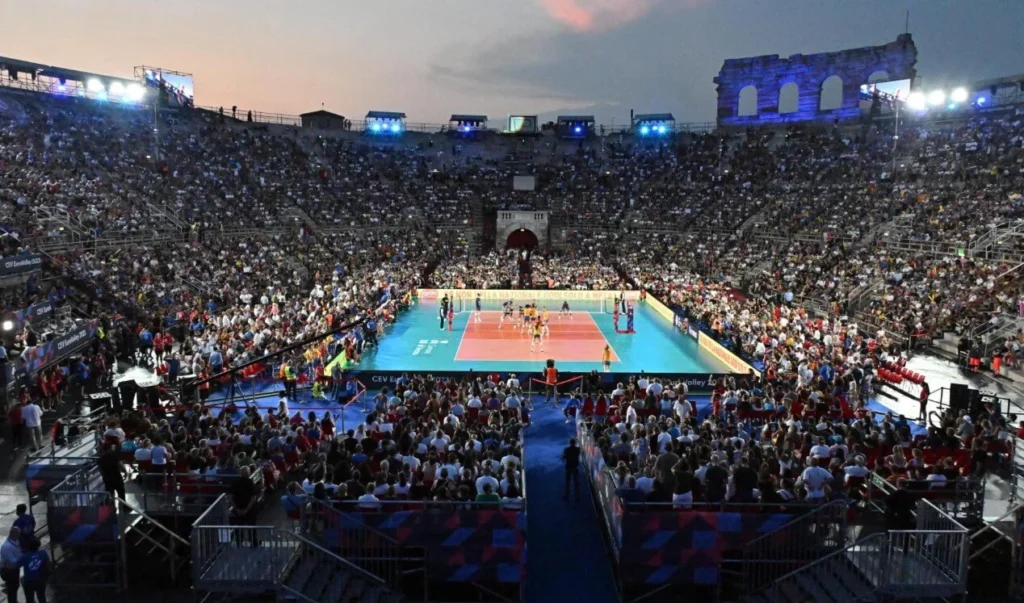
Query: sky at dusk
pixel 432 58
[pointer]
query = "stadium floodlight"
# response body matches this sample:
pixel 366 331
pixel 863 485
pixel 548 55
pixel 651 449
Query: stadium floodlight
pixel 578 130
pixel 661 129
pixel 917 101
pixel 8 325
pixel 135 92
pixel 466 129
pixel 116 88
pixel 94 85
pixel 644 130
pixel 375 127
pixel 396 128
pixel 936 98
pixel 959 95
pixel 981 101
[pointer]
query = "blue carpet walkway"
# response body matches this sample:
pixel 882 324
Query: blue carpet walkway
pixel 568 558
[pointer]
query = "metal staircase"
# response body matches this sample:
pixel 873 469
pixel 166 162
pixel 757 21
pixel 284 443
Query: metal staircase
pixel 930 561
pixel 140 532
pixel 262 560
pixel 794 544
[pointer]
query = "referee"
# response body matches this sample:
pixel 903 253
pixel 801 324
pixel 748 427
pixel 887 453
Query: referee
pixel 571 456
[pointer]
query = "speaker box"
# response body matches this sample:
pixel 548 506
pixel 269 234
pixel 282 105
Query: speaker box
pixel 959 397
pixel 128 390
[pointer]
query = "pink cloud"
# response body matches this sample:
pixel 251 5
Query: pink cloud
pixel 596 15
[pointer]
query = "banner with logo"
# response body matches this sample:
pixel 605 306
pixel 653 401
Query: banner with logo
pixel 374 380
pixel 20 264
pixel 41 310
pixel 735 364
pixel 555 295
pixel 60 348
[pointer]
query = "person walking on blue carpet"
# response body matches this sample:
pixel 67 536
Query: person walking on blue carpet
pixel 571 456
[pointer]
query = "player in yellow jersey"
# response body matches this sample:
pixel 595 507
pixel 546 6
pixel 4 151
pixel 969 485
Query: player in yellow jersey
pixel 538 336
pixel 606 358
pixel 544 323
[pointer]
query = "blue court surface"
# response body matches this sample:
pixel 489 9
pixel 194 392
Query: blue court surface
pixel 417 343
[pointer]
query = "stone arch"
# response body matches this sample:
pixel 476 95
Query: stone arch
pixel 880 75
pixel 830 96
pixel 521 238
pixel 789 98
pixel 747 104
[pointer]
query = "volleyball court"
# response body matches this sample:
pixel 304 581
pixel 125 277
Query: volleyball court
pixel 576 339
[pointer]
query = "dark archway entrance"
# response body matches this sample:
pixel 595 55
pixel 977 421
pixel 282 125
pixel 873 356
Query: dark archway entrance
pixel 521 239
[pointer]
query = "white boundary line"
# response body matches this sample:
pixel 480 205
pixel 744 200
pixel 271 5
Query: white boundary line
pixel 608 343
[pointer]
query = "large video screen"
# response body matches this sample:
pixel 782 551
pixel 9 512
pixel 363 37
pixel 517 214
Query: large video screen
pixel 897 88
pixel 180 91
pixel 522 124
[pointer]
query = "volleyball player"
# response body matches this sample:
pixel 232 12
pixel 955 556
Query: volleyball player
pixel 606 358
pixel 479 309
pixel 565 310
pixel 538 336
pixel 506 312
pixel 451 317
pixel 544 323
pixel 527 319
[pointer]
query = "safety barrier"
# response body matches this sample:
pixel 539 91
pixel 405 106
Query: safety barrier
pixel 797 543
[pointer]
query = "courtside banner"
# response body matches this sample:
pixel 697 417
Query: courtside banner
pixel 709 345
pixel 559 295
pixel 662 309
pixel 374 380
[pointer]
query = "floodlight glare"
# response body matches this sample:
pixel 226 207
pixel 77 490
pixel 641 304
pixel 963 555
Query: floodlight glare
pixel 644 130
pixel 936 97
pixel 8 325
pixel 117 88
pixel 375 127
pixel 135 92
pixel 578 130
pixel 917 101
pixel 661 129
pixel 396 128
pixel 94 85
pixel 959 95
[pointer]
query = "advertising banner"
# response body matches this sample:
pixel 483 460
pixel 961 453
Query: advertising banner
pixel 59 348
pixel 41 310
pixel 374 380
pixel 528 294
pixel 735 364
pixel 20 264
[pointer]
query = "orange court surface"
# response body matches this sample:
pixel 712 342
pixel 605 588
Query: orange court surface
pixel 576 339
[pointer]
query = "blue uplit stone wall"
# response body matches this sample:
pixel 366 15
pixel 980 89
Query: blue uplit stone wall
pixel 770 73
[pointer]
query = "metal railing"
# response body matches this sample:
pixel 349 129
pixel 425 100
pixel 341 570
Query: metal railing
pixel 228 558
pixel 795 544
pixel 165 540
pixel 83 488
pixel 240 558
pixel 375 552
pixel 873 568
pixel 900 562
pixel 185 492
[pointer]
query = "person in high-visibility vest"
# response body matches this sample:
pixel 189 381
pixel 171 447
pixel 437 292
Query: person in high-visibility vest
pixel 290 381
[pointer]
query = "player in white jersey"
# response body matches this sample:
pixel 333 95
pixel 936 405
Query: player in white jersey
pixel 506 312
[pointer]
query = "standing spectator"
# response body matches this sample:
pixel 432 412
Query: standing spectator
pixel 32 417
pixel 571 456
pixel 35 564
pixel 10 555
pixel 14 419
pixel 25 522
pixel 112 471
pixel 243 501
